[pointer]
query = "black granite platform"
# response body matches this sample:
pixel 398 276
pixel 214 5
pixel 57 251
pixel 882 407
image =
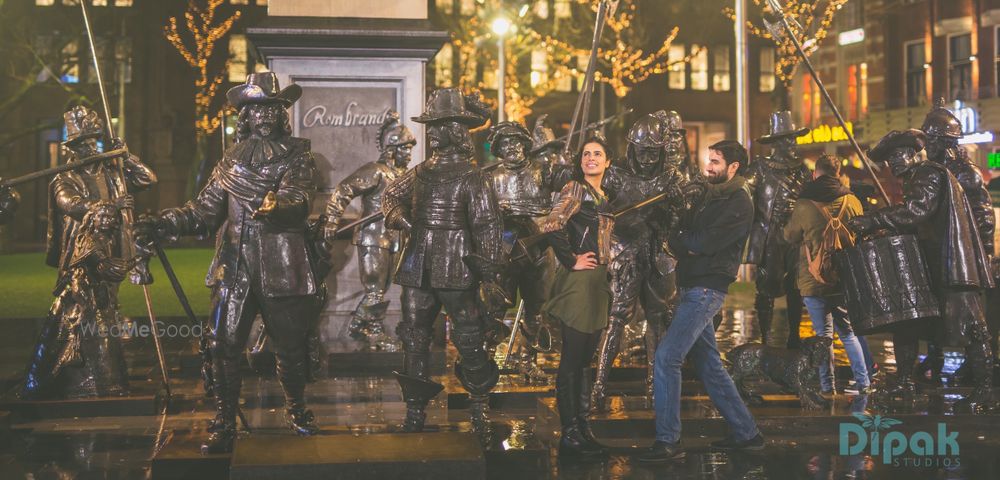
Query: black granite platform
pixel 133 405
pixel 180 458
pixel 443 455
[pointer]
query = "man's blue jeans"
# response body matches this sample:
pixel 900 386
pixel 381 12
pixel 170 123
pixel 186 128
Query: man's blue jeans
pixel 692 333
pixel 827 315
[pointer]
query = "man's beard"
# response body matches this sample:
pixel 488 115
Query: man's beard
pixel 718 179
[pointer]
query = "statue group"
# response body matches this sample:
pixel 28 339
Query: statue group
pixel 457 236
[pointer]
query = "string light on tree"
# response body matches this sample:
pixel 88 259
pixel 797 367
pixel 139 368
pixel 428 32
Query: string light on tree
pixel 204 33
pixel 815 18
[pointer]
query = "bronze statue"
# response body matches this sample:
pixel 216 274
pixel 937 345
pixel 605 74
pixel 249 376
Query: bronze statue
pixel 935 208
pixel 378 247
pixel 256 202
pixel 545 148
pixel 776 182
pixel 794 370
pixel 523 188
pixel 78 353
pixel 454 245
pixel 641 267
pixel 9 200
pixel 72 196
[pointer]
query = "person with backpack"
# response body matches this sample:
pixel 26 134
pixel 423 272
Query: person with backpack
pixel 817 228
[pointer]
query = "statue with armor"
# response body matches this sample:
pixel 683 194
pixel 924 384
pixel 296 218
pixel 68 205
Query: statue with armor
pixel 256 202
pixel 676 147
pixel 545 148
pixel 72 196
pixel 454 246
pixel 776 182
pixel 943 131
pixel 378 247
pixel 641 266
pixel 935 208
pixel 9 200
pixel 523 190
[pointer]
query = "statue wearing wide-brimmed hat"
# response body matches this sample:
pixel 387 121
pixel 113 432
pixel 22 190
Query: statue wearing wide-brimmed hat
pixel 454 250
pixel 777 180
pixel 545 146
pixel 257 202
pixel 936 209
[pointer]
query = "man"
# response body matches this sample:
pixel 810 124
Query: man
pixel 709 246
pixel 454 247
pixel 523 190
pixel 776 181
pixel 544 146
pixel 823 206
pixel 935 208
pixel 377 246
pixel 9 200
pixel 943 131
pixel 72 195
pixel 256 202
pixel 641 269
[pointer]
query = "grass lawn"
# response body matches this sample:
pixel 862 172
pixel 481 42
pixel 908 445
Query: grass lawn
pixel 26 285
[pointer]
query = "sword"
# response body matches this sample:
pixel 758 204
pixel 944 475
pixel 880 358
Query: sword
pixel 128 245
pixel 598 124
pixel 772 25
pixel 513 333
pixel 582 109
pixel 64 167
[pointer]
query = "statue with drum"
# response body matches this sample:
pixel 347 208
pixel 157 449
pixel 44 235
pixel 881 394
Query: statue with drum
pixel 945 307
pixel 776 181
pixel 378 247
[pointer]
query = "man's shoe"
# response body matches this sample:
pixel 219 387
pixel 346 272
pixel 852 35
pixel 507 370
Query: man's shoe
pixel 755 443
pixel 662 452
pixel 219 441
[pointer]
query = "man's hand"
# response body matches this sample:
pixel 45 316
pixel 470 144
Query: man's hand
pixel 862 224
pixel 585 261
pixel 114 269
pixel 148 229
pixel 125 202
pixel 266 206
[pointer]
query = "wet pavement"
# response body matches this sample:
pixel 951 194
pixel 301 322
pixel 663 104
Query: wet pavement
pixel 801 444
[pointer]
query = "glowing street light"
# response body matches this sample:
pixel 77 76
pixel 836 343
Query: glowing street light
pixel 501 25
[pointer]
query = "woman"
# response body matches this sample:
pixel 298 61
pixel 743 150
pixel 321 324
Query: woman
pixel 580 235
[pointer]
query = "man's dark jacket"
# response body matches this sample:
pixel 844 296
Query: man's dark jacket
pixel 710 243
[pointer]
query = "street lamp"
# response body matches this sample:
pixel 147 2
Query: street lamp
pixel 501 25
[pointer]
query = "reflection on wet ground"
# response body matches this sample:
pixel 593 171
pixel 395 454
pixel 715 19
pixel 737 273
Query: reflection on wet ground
pixel 120 447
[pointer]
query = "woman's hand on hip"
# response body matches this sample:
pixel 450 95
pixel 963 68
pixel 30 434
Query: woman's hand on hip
pixel 586 261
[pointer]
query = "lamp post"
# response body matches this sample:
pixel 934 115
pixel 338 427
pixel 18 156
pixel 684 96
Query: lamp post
pixel 501 26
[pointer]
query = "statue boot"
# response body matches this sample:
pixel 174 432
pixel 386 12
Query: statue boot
pixel 764 309
pixel 980 357
pixel 227 397
pixel 478 381
pixel 606 353
pixel 292 372
pixel 417 391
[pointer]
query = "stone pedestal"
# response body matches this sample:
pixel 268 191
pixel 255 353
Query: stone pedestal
pixel 352 71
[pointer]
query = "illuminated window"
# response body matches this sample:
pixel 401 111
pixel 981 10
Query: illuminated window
pixel 71 2
pixel 677 74
pixel 807 118
pixel 581 65
pixel 442 66
pixel 237 58
pixel 960 66
pixel 863 82
pixel 699 67
pixel 916 76
pixel 542 9
pixel 70 72
pixel 99 3
pixel 563 81
pixel 262 3
pixel 852 92
pixel 102 45
pixel 444 6
pixel 720 78
pixel 562 9
pixel 123 3
pixel 539 67
pixel 240 2
pixel 44 3
pixel 767 79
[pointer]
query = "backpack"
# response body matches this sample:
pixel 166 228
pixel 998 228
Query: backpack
pixel 835 236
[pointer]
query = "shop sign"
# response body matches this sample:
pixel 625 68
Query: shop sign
pixel 826 134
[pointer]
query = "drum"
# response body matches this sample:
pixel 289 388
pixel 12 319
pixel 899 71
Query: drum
pixel 886 284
